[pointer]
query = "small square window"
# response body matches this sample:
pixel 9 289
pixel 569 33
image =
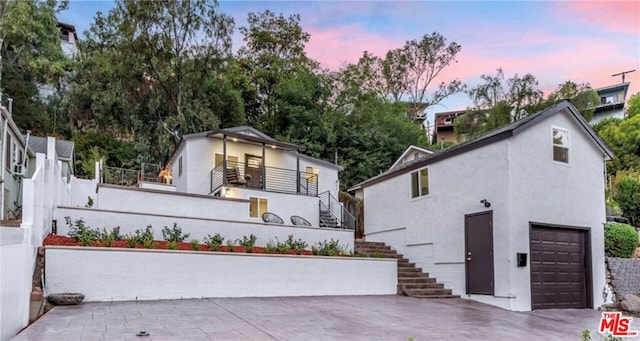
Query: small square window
pixel 180 166
pixel 560 145
pixel 257 207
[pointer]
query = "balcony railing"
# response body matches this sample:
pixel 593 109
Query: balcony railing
pixel 271 179
pixel 131 177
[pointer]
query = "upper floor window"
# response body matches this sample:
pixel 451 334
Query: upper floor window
pixel 560 145
pixel 607 100
pixel 420 183
pixel 232 161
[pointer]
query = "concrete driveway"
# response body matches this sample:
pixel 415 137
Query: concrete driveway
pixel 309 318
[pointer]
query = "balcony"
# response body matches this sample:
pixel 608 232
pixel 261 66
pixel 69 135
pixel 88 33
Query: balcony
pixel 270 179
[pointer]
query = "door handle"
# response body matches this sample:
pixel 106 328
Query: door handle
pixel 468 259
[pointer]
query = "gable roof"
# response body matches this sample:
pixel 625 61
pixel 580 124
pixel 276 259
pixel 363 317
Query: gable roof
pixel 409 150
pixel 64 148
pixel 493 136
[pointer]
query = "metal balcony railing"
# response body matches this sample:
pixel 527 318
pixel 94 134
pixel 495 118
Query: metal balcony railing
pixel 333 213
pixel 271 179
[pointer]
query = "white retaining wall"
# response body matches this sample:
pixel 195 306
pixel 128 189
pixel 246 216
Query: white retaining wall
pixel 106 274
pixel 138 200
pixel 200 228
pixel 82 190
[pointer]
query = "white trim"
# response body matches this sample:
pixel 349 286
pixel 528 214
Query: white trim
pixel 420 196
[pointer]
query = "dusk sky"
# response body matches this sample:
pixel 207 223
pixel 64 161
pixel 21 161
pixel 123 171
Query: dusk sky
pixel 554 41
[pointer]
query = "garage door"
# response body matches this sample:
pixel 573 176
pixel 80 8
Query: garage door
pixel 558 268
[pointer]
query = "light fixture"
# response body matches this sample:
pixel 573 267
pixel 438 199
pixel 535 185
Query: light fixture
pixel 227 192
pixel 486 203
pixel 272 146
pixel 234 139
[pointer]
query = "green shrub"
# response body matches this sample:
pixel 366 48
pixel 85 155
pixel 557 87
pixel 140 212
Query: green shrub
pixel 78 229
pixel 282 247
pixel 296 245
pixel 131 240
pixel 149 243
pixel 195 245
pixel 230 244
pixel 142 235
pixel 174 234
pixel 620 240
pixel 270 247
pixel 328 248
pixel 248 242
pixel 172 245
pixel 214 241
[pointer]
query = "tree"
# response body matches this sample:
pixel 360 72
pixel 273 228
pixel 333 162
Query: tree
pixel 273 52
pixel 623 137
pixel 149 66
pixel 30 54
pixel 582 96
pixel 633 105
pixel 627 195
pixel 498 102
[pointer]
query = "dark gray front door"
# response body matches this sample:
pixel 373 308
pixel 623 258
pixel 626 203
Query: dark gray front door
pixel 558 267
pixel 253 168
pixel 478 233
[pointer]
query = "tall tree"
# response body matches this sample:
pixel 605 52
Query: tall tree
pixel 633 105
pixel 30 54
pixel 582 96
pixel 273 52
pixel 149 66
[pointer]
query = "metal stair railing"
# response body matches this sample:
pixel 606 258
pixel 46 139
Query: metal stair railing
pixel 330 205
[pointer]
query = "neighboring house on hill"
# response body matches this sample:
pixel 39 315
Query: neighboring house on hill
pixel 68 44
pixel 411 153
pixel 444 125
pixel 15 166
pixel 244 163
pixel 64 151
pixel 612 100
pixel 513 218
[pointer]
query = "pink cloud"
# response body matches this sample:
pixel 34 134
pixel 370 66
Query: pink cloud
pixel 615 16
pixel 336 47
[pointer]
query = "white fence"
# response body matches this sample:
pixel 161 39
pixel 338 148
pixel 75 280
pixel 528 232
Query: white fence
pixel 105 274
pixel 44 191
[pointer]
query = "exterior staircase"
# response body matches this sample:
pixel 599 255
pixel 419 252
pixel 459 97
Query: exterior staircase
pixel 327 219
pixel 411 280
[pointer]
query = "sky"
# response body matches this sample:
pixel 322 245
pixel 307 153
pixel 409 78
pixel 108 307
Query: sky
pixel 586 41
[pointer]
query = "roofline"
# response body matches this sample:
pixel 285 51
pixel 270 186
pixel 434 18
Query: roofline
pixel 284 145
pixel 16 130
pixel 457 112
pixel 612 87
pixel 481 142
pixel 322 162
pixel 428 151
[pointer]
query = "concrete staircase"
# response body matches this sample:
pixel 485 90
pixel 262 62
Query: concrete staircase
pixel 327 219
pixel 411 280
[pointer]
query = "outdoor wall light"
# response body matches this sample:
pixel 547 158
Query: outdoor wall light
pixel 227 192
pixel 486 203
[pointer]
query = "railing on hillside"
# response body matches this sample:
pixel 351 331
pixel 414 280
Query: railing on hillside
pixel 331 207
pixel 272 179
pixel 120 176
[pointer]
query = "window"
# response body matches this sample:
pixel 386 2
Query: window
pixel 17 165
pixel 312 175
pixel 257 206
pixel 232 161
pixel 180 166
pixel 7 160
pixel 448 120
pixel 420 183
pixel 560 145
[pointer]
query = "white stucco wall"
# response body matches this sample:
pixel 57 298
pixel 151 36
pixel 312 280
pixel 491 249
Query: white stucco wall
pixel 429 230
pixel 522 183
pixel 81 190
pixel 199 228
pixel 124 199
pixel 103 274
pixel 280 204
pixel 544 191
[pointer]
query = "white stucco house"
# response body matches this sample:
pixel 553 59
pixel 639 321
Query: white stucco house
pixel 612 101
pixel 513 218
pixel 274 176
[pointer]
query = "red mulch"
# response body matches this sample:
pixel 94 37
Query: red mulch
pixel 57 240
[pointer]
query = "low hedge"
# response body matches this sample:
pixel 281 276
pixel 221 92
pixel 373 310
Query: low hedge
pixel 620 240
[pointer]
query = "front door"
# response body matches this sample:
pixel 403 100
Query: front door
pixel 253 171
pixel 478 233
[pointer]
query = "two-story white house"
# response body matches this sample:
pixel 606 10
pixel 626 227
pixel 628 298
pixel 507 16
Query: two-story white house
pixel 243 163
pixel 513 218
pixel 612 100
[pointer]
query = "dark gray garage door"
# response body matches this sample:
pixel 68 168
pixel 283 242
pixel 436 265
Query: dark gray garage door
pixel 558 268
